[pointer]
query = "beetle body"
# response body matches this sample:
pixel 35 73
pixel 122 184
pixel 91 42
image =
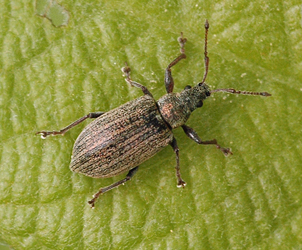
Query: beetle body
pixel 121 139
pixel 176 108
pixel 125 137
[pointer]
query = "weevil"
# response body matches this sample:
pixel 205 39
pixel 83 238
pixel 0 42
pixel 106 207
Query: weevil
pixel 120 140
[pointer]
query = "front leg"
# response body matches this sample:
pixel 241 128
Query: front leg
pixel 169 82
pixel 180 181
pixel 194 136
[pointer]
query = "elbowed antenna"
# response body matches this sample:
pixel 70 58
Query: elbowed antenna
pixel 233 91
pixel 206 58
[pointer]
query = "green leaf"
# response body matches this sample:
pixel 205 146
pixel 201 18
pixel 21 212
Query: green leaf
pixel 51 76
pixel 53 11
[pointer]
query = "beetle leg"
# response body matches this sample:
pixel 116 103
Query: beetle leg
pixel 169 82
pixel 194 136
pixel 180 181
pixel 127 71
pixel 64 130
pixel 114 185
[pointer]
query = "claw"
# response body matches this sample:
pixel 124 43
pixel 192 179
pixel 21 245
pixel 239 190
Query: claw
pixel 181 183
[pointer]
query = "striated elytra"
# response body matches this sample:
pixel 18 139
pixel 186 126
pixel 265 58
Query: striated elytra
pixel 121 139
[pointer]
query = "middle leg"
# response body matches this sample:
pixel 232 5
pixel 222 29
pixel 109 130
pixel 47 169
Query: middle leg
pixel 180 181
pixel 127 71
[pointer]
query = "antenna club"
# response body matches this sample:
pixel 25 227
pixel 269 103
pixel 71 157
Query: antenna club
pixel 265 94
pixel 207 25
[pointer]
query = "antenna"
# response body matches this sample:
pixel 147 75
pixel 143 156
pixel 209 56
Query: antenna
pixel 233 91
pixel 206 58
pixel 206 69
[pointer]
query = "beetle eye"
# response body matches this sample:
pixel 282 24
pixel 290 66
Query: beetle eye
pixel 188 87
pixel 199 104
pixel 200 84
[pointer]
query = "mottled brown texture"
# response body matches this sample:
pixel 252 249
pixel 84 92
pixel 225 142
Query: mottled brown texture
pixel 176 108
pixel 121 139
